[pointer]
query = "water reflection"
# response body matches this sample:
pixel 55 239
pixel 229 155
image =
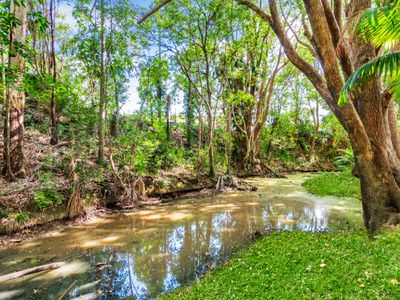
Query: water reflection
pixel 143 254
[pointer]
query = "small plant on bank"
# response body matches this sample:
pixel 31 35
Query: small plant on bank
pixel 345 159
pixel 45 198
pixel 22 217
pixel 47 195
pixel 3 213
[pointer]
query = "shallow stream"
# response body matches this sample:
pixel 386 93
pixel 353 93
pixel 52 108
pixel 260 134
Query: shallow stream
pixel 143 254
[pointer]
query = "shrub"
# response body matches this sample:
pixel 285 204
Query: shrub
pixel 47 197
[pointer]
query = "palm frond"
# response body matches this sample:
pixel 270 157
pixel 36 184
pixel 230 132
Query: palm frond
pixel 394 87
pixel 381 25
pixel 385 65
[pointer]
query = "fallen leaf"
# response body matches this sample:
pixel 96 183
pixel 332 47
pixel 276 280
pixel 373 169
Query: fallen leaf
pixel 394 282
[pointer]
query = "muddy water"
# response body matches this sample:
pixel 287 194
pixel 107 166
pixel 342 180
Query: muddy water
pixel 143 254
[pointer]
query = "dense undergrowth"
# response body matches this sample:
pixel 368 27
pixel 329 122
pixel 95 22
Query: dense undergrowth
pixel 300 265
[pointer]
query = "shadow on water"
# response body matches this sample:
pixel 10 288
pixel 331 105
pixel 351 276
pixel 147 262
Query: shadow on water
pixel 143 254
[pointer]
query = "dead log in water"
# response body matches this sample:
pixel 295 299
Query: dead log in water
pixel 22 273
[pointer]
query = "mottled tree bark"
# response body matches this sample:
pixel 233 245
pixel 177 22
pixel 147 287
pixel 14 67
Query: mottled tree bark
pixel 14 158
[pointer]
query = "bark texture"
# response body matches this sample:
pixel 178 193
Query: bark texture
pixel 14 158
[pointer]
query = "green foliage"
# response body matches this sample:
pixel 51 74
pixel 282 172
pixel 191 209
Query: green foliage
pixel 296 265
pixel 387 64
pixel 380 26
pixel 48 194
pixel 22 217
pixel 3 213
pixel 34 261
pixel 340 184
pixel 345 159
pixel 46 197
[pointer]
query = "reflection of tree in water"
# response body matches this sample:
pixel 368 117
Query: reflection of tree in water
pixel 167 254
pixel 297 215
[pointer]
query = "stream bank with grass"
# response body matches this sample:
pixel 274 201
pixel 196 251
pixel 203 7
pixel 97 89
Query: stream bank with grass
pixel 159 248
pixel 303 265
pixel 297 265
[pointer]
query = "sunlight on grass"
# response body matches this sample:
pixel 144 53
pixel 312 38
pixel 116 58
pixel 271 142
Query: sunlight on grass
pixel 300 265
pixel 339 184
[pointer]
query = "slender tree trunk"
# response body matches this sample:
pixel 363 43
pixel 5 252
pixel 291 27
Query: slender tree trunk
pixel 103 95
pixel 199 162
pixel 53 106
pixel 159 98
pixel 167 118
pixel 114 128
pixel 210 145
pixel 315 116
pixel 228 149
pixel 189 117
pixel 14 158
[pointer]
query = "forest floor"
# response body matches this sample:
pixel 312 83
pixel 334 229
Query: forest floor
pixel 298 265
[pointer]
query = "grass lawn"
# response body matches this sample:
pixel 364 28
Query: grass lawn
pixel 306 266
pixel 339 184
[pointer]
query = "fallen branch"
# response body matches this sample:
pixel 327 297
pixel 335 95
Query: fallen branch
pixel 19 274
pixel 62 144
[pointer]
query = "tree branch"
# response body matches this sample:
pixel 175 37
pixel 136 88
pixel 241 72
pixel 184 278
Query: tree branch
pixel 153 11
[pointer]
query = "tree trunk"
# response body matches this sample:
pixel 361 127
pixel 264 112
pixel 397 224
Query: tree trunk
pixel 14 158
pixel 210 146
pixel 102 102
pixel 167 118
pixel 364 117
pixel 228 149
pixel 315 116
pixel 114 128
pixel 53 105
pixel 189 117
pixel 199 163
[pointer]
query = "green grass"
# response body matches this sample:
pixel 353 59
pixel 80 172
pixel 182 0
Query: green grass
pixel 339 184
pixel 306 266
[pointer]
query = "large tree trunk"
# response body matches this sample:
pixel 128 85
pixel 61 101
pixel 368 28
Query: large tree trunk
pixel 14 158
pixel 365 117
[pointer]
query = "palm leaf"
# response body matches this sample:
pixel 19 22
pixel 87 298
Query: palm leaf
pixel 386 65
pixel 381 25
